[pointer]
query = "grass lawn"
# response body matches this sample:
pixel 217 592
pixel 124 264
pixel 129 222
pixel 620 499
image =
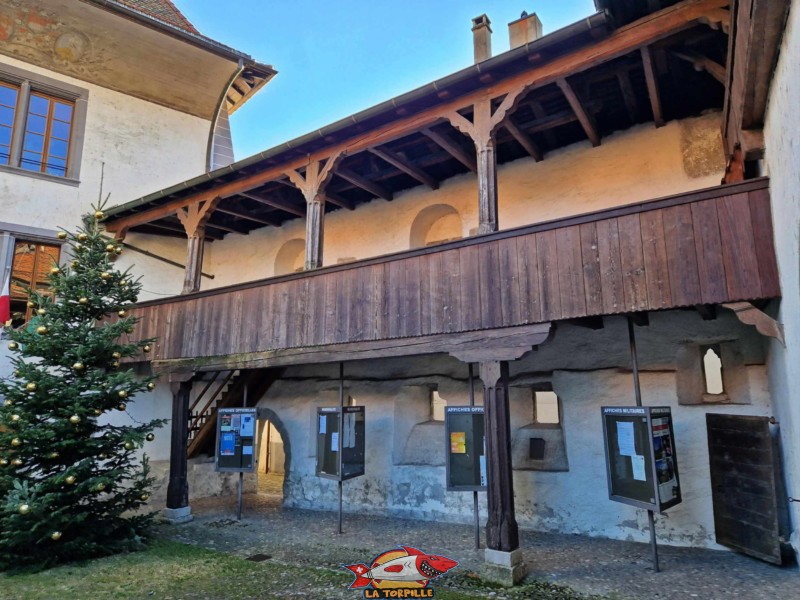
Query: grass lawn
pixel 169 570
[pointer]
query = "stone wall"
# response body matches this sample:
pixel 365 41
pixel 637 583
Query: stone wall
pixel 587 369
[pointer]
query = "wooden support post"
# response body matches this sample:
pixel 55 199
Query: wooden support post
pixel 652 86
pixel 312 184
pixel 178 487
pixel 502 532
pixel 485 123
pixel 194 219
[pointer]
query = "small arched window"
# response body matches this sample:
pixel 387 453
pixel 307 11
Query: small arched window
pixel 712 369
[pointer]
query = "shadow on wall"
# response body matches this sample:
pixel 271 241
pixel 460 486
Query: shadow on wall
pixel 434 225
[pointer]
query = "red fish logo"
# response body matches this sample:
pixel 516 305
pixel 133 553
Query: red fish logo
pixel 406 568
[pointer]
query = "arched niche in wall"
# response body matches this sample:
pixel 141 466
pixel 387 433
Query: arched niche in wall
pixel 434 225
pixel 290 257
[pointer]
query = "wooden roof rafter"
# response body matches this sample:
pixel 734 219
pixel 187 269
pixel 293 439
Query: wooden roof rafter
pixel 627 39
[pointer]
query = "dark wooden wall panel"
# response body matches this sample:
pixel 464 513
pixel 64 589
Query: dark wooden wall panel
pixel 700 250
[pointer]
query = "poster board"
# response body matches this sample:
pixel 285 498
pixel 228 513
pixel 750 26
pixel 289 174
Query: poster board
pixel 465 449
pixel 236 450
pixel 641 462
pixel 340 456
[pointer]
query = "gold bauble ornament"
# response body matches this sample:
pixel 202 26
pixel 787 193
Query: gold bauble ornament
pixel 128 445
pixel 117 249
pixel 3 462
pixel 98 412
pixel 100 487
pixel 54 455
pixel 122 313
pixel 55 271
pixel 41 312
pixel 62 235
pixel 105 275
pixel 74 419
pixel 56 535
pixel 8 402
pixel 146 348
pixel 150 437
pixel 123 394
pixel 79 246
pixel 75 264
pixel 151 386
pixel 116 355
pixel 31 304
pixel 31 387
pixel 129 330
pixel 16 442
pixel 83 301
pixel 145 497
pixel 82 237
pixel 124 283
pixel 115 364
pixel 103 455
pixel 109 247
pixel 99 215
pixel 16 462
pixel 122 406
pixel 41 330
pixel 70 479
pixel 13 346
pixel 15 418
pixel 24 509
pixel 78 366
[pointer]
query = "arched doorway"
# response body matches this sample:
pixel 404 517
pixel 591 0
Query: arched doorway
pixel 290 257
pixel 274 454
pixel 434 225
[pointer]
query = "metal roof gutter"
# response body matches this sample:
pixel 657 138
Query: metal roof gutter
pixel 597 20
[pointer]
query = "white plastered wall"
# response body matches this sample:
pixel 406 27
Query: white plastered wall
pixel 587 369
pixel 783 167
pixel 638 164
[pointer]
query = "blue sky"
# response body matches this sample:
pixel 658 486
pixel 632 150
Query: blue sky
pixel 338 57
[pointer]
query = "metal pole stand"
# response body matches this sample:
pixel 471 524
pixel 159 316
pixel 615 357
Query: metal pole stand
pixel 239 497
pixel 475 511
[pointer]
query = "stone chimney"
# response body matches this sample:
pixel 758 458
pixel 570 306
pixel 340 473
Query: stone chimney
pixel 482 38
pixel 524 30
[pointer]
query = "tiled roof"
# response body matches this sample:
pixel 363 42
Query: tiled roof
pixel 163 10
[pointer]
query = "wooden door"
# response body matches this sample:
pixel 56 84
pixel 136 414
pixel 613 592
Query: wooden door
pixel 750 510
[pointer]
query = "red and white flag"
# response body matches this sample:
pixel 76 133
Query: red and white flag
pixel 5 301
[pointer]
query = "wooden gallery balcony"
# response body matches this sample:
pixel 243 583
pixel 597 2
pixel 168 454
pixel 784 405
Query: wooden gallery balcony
pixel 708 247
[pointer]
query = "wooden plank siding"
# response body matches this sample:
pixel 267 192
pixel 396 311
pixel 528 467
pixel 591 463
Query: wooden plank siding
pixel 703 247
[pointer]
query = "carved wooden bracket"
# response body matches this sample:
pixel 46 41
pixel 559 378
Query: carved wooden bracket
pixel 316 177
pixel 501 344
pixel 195 216
pixel 750 315
pixel 484 121
pixel 717 18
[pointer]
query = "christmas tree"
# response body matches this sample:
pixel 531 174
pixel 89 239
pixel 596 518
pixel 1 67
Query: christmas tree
pixel 71 482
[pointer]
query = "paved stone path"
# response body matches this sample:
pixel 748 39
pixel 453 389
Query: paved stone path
pixel 620 570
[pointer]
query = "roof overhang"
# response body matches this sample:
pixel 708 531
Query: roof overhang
pixel 112 46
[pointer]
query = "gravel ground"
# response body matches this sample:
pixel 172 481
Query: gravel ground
pixel 619 570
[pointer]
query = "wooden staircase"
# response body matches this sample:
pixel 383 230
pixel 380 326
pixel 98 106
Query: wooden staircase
pixel 223 390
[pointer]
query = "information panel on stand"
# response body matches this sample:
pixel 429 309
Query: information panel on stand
pixel 641 462
pixel 465 448
pixel 236 440
pixel 350 442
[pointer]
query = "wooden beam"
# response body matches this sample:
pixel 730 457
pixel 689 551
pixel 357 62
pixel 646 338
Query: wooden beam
pixel 406 167
pixel 279 204
pixel 524 140
pixel 707 311
pixel 622 41
pixel 628 95
pixel 702 63
pixel 586 119
pixel 453 149
pixel 357 180
pixel 652 86
pixel 764 324
pixel 194 219
pixel 339 201
pixel 178 229
pixel 247 217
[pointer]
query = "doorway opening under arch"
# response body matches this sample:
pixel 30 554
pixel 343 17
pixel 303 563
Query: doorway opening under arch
pixel 273 459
